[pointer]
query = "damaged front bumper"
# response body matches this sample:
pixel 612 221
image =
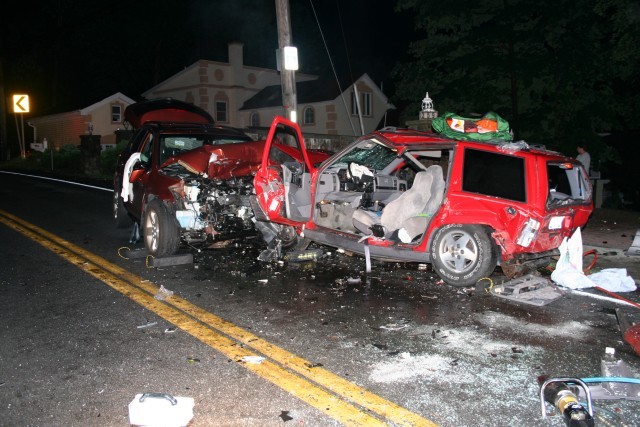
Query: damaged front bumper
pixel 209 210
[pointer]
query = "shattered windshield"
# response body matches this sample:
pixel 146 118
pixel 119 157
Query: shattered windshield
pixel 172 145
pixel 567 184
pixel 371 154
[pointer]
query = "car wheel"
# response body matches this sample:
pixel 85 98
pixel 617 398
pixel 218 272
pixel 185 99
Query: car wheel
pixel 120 215
pixel 462 254
pixel 291 240
pixel 160 230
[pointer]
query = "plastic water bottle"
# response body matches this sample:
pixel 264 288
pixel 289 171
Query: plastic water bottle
pixel 611 366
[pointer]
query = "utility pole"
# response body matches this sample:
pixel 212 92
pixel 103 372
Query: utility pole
pixel 4 146
pixel 287 76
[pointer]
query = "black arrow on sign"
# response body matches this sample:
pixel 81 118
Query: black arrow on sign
pixel 18 103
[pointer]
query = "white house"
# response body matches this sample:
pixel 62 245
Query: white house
pixel 324 106
pixel 244 96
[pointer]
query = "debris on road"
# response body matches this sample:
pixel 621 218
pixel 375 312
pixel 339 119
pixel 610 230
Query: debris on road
pixel 148 325
pixel 160 409
pixel 163 293
pixel 285 416
pixel 529 289
pixel 127 253
pixel 313 365
pixel 254 360
pixel 394 327
pixel 170 261
pixel 634 249
pixel 302 256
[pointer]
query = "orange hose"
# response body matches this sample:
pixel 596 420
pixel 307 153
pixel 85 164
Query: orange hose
pixel 593 262
pixel 590 266
pixel 633 303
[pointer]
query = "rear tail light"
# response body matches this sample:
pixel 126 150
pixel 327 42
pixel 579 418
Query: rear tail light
pixel 528 232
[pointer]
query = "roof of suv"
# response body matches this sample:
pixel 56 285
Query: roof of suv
pixel 408 137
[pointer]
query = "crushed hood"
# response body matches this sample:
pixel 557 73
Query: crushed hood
pixel 222 161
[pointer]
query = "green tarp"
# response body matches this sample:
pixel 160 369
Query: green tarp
pixel 490 128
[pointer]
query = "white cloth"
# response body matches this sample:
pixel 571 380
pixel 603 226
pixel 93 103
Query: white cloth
pixel 127 187
pixel 614 280
pixel 569 273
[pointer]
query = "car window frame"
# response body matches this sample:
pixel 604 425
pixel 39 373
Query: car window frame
pixel 522 160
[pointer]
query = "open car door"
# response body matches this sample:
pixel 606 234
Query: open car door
pixel 283 182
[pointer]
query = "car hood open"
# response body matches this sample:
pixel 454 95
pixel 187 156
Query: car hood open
pixel 165 110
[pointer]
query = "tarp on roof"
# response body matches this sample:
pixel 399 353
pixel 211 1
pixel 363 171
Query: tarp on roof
pixel 490 128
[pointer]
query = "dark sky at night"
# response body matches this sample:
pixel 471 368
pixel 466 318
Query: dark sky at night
pixel 67 54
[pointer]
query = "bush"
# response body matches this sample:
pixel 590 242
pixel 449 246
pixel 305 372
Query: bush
pixel 67 159
pixel 109 159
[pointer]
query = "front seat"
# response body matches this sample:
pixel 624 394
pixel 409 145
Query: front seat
pixel 406 217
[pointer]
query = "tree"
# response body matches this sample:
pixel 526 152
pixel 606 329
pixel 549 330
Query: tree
pixel 556 70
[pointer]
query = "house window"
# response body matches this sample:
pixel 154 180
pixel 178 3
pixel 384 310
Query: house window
pixel 308 116
pixel 116 113
pixel 221 111
pixel 254 120
pixel 365 103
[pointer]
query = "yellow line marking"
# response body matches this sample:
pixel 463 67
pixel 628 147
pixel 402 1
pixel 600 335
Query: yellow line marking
pixel 358 395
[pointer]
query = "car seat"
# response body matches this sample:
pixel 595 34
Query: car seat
pixel 406 217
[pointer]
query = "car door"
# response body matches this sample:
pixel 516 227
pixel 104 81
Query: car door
pixel 284 181
pixel 140 174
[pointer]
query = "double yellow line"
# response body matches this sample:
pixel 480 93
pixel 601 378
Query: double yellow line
pixel 337 398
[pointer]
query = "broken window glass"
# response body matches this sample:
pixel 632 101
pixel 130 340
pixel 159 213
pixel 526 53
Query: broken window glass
pixel 371 154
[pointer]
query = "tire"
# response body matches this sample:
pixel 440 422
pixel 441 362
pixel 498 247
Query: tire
pixel 291 240
pixel 120 215
pixel 160 230
pixel 462 254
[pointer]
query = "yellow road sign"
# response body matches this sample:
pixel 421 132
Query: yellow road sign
pixel 20 103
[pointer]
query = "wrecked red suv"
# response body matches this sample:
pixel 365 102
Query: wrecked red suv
pixel 182 178
pixel 404 195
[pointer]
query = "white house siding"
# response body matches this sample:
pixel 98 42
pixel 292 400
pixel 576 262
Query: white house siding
pixel 60 129
pixel 66 128
pixel 203 81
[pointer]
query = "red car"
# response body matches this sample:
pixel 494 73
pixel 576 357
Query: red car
pixel 403 195
pixel 184 180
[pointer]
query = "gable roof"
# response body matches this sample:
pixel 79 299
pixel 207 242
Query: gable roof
pixel 115 97
pixel 308 92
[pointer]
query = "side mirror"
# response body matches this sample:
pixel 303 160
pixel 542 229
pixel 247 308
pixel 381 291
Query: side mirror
pixel 137 172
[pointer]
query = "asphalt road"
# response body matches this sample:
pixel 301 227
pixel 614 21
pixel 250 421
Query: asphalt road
pixel 341 348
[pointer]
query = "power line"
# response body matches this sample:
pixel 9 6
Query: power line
pixel 333 68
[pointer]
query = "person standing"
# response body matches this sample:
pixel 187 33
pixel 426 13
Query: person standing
pixel 584 157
